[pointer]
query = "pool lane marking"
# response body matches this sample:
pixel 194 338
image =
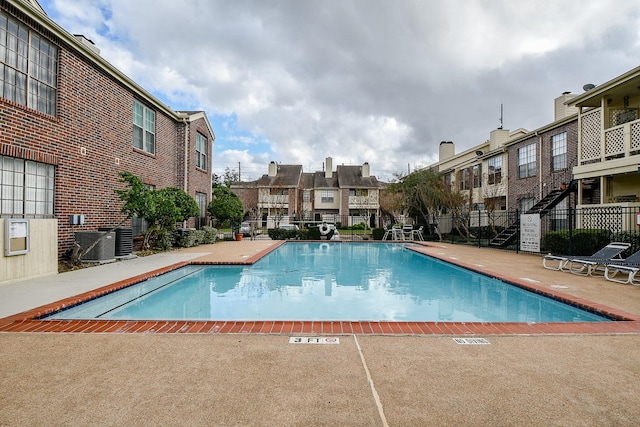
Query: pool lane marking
pixel 171 282
pixel 376 397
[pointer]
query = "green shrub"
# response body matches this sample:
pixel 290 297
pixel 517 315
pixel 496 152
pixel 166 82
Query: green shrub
pixel 280 234
pixel 582 242
pixel 210 234
pixel 311 233
pixel 189 237
pixel 164 240
pixel 377 233
pixel 360 226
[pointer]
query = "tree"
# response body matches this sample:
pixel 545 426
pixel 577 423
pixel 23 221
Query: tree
pixel 227 178
pixel 392 200
pixel 225 206
pixel 425 194
pixel 162 209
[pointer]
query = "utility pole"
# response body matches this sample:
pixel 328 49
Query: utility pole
pixel 239 179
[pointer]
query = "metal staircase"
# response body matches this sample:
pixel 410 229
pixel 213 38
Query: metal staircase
pixel 543 207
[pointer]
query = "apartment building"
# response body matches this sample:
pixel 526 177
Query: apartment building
pixel 608 158
pixel 349 195
pixel 69 123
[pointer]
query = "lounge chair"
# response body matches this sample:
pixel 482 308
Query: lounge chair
pixel 588 266
pixel 629 266
pixel 605 255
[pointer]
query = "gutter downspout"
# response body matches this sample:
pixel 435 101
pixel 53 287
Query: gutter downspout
pixel 186 160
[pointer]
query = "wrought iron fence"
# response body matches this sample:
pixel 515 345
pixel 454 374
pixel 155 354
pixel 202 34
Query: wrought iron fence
pixel 567 231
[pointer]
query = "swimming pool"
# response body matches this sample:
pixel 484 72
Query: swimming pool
pixel 330 281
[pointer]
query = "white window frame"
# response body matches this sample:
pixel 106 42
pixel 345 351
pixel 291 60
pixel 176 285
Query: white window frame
pixel 527 163
pixel 327 196
pixel 201 151
pixel 559 151
pixel 144 128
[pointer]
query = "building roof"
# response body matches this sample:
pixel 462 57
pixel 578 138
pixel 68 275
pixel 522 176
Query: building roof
pixel 351 177
pixel 195 115
pixel 287 176
pixel 616 88
pixel 321 181
pixel 306 181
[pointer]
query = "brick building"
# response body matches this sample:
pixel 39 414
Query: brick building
pixel 542 161
pixel 70 122
pixel 348 195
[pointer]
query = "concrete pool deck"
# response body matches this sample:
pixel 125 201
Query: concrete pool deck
pixel 253 379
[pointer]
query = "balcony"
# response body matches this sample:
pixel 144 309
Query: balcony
pixel 364 202
pixel 615 142
pixel 273 201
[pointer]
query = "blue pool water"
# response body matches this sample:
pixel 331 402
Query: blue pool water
pixel 329 281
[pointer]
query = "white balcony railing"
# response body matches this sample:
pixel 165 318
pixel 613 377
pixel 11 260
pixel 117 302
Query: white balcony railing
pixel 369 202
pixel 274 201
pixel 619 141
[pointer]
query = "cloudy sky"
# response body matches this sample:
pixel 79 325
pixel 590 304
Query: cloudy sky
pixel 378 81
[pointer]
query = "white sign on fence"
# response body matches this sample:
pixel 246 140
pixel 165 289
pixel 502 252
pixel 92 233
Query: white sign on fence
pixel 530 232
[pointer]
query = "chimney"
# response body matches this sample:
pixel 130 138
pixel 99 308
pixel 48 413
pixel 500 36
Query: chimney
pixel 562 110
pixel 497 138
pixel 447 150
pixel 366 171
pixel 328 170
pixel 273 169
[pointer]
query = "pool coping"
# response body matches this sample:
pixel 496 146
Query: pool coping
pixel 30 320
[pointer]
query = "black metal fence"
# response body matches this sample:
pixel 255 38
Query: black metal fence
pixel 561 231
pixel 566 231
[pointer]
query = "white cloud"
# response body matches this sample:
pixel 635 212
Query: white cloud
pixel 363 80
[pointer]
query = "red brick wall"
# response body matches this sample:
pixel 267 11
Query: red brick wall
pixel 344 201
pixel 91 140
pixel 547 180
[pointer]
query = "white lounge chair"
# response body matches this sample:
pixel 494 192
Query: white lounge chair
pixel 628 268
pixel 588 266
pixel 604 255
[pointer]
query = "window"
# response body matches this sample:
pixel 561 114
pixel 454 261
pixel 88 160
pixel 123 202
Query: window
pixel 527 161
pixel 144 128
pixel 201 200
pixel 559 151
pixel 559 216
pixel 201 151
pixel 358 192
pixel 495 170
pixel 465 179
pixel 26 187
pixel 326 196
pixel 526 204
pixel 477 176
pixel 28 67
